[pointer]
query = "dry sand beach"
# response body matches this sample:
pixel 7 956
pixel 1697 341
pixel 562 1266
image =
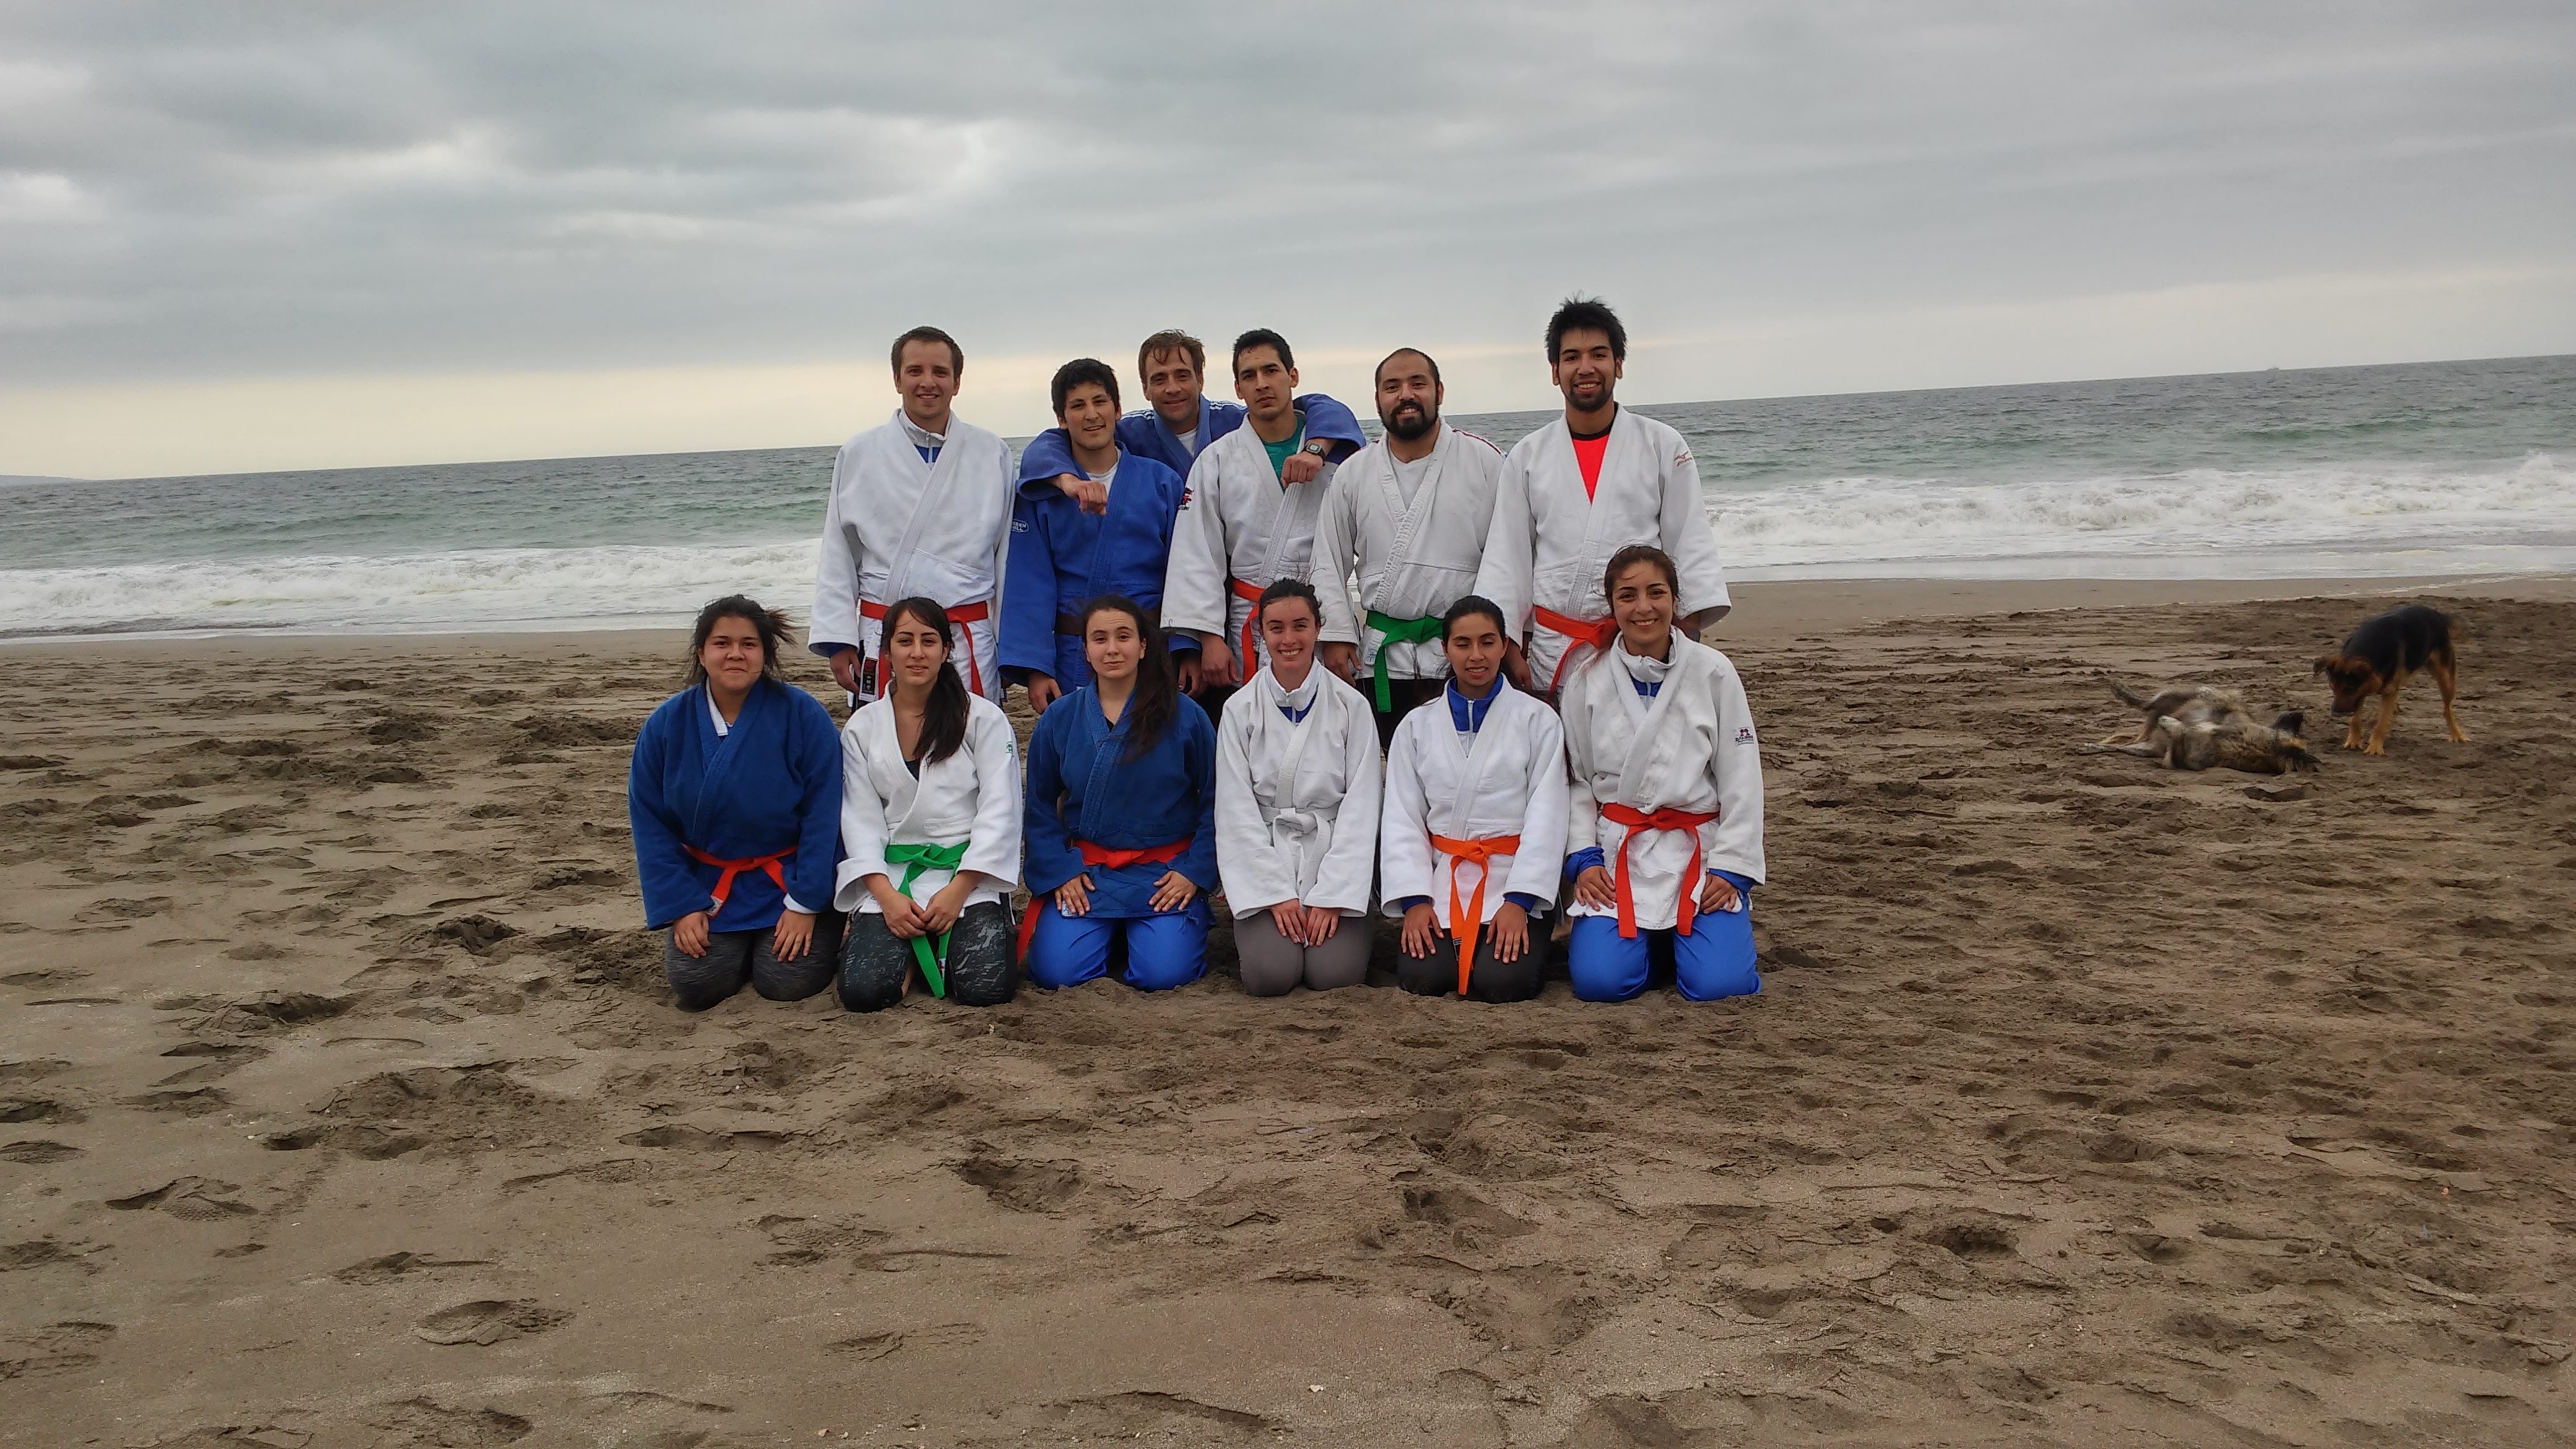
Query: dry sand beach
pixel 2085 1103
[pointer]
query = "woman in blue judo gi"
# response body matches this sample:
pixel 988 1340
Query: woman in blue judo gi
pixel 1063 557
pixel 1121 822
pixel 735 800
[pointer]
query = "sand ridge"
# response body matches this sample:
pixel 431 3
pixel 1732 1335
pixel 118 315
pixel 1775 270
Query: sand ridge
pixel 339 1102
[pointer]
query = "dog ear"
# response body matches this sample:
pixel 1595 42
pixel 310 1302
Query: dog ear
pixel 2327 662
pixel 2290 722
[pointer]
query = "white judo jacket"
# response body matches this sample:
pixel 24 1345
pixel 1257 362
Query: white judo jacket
pixel 1296 804
pixel 1691 747
pixel 1411 562
pixel 897 526
pixel 1509 780
pixel 973 795
pixel 1239 529
pixel 1550 540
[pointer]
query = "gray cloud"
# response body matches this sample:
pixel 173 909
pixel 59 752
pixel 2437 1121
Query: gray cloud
pixel 198 190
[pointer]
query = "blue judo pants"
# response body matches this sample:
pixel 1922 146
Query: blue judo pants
pixel 1163 951
pixel 1714 960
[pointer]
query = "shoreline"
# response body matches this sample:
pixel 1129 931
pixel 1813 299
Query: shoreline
pixel 1764 611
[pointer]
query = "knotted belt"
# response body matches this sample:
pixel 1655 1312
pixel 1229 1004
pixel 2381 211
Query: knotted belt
pixel 915 859
pixel 1596 632
pixel 1251 594
pixel 1397 631
pixel 765 864
pixel 1638 823
pixel 1465 925
pixel 974 613
pixel 1106 859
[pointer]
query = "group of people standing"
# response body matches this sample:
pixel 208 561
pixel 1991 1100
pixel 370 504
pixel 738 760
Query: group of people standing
pixel 1267 657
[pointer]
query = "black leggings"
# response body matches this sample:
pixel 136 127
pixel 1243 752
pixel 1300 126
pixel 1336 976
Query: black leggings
pixel 736 957
pixel 1489 980
pixel 979 970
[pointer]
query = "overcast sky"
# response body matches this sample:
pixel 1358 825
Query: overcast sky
pixel 239 235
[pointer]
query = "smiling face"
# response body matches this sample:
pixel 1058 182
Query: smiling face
pixel 1173 385
pixel 1266 385
pixel 1641 599
pixel 1475 648
pixel 1288 627
pixel 915 651
pixel 1408 398
pixel 732 656
pixel 1089 418
pixel 927 378
pixel 1584 369
pixel 1111 643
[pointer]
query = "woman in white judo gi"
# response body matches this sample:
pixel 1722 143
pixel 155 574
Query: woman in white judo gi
pixel 930 827
pixel 1296 809
pixel 1474 829
pixel 1666 827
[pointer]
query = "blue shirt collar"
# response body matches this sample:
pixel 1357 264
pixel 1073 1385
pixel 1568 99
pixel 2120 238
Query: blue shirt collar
pixel 1469 714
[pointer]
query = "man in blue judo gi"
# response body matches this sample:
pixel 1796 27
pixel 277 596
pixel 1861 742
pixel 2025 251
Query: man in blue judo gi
pixel 1064 556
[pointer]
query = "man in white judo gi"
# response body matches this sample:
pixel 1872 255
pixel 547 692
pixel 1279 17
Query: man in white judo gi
pixel 1580 489
pixel 920 504
pixel 1409 513
pixel 1245 519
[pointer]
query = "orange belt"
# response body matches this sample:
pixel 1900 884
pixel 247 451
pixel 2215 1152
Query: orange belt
pixel 974 613
pixel 1106 859
pixel 1638 823
pixel 1466 853
pixel 765 864
pixel 1251 621
pixel 1596 632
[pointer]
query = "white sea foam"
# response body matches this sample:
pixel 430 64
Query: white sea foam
pixel 2323 521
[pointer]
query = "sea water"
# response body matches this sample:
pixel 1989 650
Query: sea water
pixel 2430 468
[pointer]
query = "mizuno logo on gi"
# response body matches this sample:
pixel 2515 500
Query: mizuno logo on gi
pixel 1019 525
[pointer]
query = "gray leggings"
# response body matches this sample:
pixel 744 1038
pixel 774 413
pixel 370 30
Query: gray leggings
pixel 1273 964
pixel 979 970
pixel 1488 979
pixel 734 957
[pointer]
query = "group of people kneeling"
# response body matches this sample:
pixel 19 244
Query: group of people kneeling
pixel 780 857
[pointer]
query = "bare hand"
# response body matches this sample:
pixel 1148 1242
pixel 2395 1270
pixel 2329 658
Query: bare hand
pixel 1421 930
pixel 1344 660
pixel 1717 895
pixel 1187 669
pixel 1073 898
pixel 845 667
pixel 795 932
pixel 1290 918
pixel 1216 662
pixel 689 933
pixel 1321 923
pixel 1516 663
pixel 1091 493
pixel 1043 691
pixel 940 912
pixel 1301 467
pixel 1173 891
pixel 1596 889
pixel 1511 932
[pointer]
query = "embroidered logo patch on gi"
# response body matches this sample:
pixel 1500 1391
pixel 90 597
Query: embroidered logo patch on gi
pixel 1185 495
pixel 1019 525
pixel 1744 735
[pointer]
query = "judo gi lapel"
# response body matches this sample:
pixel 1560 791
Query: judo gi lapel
pixel 1637 769
pixel 1475 757
pixel 1408 521
pixel 1281 792
pixel 903 792
pixel 709 807
pixel 931 481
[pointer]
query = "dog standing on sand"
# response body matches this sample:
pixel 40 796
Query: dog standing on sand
pixel 2200 727
pixel 2382 654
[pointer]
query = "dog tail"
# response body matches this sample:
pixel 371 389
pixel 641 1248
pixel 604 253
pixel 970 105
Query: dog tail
pixel 2133 701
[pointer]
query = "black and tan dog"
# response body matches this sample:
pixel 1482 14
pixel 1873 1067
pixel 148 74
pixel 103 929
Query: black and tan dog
pixel 2199 727
pixel 2380 657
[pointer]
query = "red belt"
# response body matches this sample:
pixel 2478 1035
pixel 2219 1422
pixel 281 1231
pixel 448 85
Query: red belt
pixel 1466 853
pixel 1596 632
pixel 1638 823
pixel 974 613
pixel 1251 621
pixel 1106 859
pixel 765 864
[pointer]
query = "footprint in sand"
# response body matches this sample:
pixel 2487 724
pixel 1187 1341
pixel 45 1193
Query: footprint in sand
pixel 488 1321
pixel 193 1199
pixel 423 1421
pixel 34 1151
pixel 56 1348
pixel 395 1265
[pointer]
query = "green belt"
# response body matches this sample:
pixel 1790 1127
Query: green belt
pixel 915 859
pixel 1397 631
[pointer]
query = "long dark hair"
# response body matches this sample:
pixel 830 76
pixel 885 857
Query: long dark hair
pixel 1158 692
pixel 943 720
pixel 769 624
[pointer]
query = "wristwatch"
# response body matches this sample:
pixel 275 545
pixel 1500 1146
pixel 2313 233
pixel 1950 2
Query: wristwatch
pixel 1319 448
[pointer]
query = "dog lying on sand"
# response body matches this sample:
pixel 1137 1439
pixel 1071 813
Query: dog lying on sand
pixel 2199 727
pixel 2384 651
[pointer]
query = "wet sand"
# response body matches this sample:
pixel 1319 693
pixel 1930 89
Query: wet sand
pixel 340 1102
